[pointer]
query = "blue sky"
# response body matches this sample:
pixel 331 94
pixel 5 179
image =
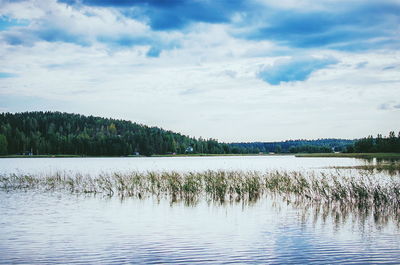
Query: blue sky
pixel 235 70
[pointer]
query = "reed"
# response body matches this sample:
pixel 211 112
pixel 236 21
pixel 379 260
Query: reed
pixel 389 167
pixel 363 191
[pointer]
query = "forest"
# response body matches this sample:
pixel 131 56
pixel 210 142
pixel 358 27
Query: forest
pixel 49 133
pixel 73 134
pixel 379 144
pixel 297 146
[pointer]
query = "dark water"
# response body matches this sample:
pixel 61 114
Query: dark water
pixel 63 228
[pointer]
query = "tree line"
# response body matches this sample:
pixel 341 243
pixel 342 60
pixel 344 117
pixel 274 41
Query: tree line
pixel 379 144
pixel 48 133
pixel 296 146
pixel 43 133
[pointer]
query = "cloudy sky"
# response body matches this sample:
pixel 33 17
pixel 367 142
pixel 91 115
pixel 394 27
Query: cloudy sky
pixel 235 70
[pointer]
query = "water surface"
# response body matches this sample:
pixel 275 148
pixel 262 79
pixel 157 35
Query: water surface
pixel 58 227
pixel 182 164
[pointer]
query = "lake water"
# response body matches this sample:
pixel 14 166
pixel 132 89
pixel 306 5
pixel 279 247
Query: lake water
pixel 182 164
pixel 57 227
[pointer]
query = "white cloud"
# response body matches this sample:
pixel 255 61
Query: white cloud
pixel 205 86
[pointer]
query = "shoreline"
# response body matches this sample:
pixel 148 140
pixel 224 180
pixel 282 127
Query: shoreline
pixel 353 155
pixel 130 156
pixel 300 155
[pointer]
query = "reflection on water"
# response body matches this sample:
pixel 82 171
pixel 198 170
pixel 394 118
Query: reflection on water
pixel 99 165
pixel 363 192
pixel 61 228
pixel 56 226
pixel 389 166
pixel 340 213
pixel 378 160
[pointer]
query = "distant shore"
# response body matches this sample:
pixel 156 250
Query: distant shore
pixel 38 156
pixel 167 155
pixel 354 155
pixel 191 155
pixel 333 155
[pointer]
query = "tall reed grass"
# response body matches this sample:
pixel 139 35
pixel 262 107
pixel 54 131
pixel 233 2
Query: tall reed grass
pixel 220 185
pixel 363 194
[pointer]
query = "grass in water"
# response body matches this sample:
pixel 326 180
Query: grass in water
pixel 221 185
pixel 389 167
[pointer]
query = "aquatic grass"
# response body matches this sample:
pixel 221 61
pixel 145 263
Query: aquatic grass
pixel 364 191
pixel 391 167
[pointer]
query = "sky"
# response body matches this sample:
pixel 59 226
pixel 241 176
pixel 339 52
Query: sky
pixel 232 70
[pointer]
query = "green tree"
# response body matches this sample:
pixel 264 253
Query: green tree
pixel 112 129
pixel 3 144
pixel 65 133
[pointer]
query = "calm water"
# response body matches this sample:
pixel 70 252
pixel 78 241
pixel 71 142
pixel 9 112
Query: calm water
pixel 123 164
pixel 62 228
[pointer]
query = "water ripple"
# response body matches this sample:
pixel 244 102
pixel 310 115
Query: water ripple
pixel 57 228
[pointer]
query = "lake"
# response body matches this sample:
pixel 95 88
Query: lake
pixel 59 227
pixel 183 164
